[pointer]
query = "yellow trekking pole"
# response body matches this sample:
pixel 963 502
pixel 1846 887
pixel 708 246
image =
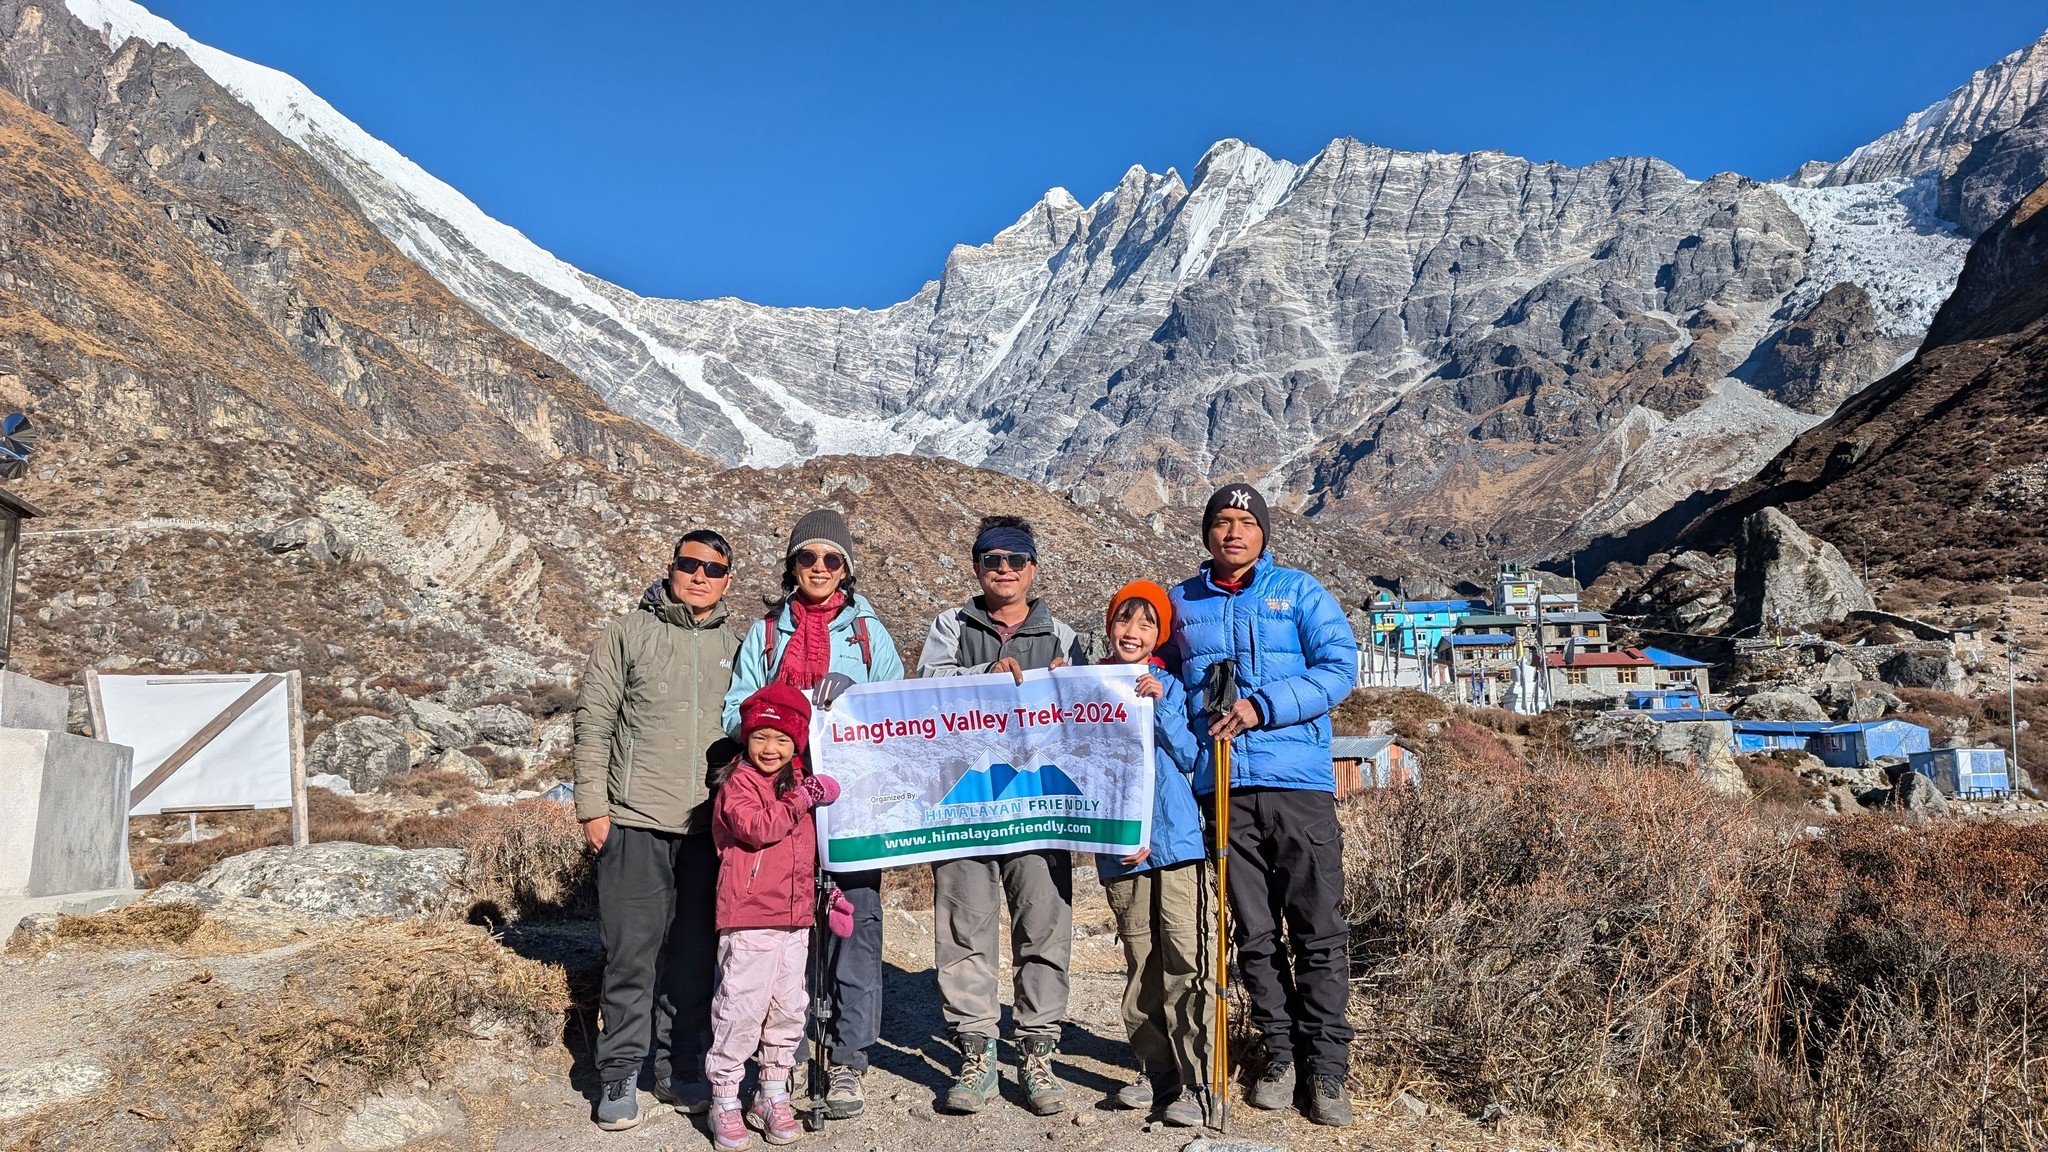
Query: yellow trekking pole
pixel 1219 698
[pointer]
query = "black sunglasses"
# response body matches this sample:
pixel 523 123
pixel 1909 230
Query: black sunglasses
pixel 809 558
pixel 690 565
pixel 997 561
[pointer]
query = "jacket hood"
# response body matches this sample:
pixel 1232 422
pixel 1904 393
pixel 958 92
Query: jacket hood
pixel 672 611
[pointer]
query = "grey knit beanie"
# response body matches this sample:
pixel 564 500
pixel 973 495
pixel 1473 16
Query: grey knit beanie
pixel 821 526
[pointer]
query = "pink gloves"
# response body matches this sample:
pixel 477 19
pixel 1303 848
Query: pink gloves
pixel 839 916
pixel 822 790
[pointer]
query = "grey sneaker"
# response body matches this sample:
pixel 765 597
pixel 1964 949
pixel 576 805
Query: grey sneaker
pixel 1330 1102
pixel 1043 1091
pixel 691 1096
pixel 1137 1094
pixel 978 1081
pixel 842 1099
pixel 1186 1110
pixel 1274 1088
pixel 618 1106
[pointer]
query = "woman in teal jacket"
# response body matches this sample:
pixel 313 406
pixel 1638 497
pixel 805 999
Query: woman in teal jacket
pixel 822 625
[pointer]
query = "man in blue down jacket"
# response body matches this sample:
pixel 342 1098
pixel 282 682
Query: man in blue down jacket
pixel 1296 658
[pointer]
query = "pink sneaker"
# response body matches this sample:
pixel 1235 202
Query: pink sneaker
pixel 774 1118
pixel 728 1127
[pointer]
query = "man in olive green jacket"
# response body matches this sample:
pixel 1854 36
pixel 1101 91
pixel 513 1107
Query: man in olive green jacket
pixel 647 718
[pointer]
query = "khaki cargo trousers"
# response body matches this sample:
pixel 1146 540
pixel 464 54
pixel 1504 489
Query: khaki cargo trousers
pixel 1164 916
pixel 969 896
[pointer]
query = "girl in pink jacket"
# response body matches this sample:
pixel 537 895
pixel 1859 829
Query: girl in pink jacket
pixel 767 846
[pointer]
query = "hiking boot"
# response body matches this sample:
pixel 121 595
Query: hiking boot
pixel 618 1105
pixel 691 1097
pixel 1043 1092
pixel 1274 1088
pixel 1186 1110
pixel 728 1127
pixel 842 1099
pixel 1137 1094
pixel 774 1118
pixel 1330 1102
pixel 978 1081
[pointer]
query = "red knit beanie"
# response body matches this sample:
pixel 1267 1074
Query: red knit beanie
pixel 780 707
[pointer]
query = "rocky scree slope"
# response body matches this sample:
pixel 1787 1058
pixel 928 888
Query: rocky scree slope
pixel 1476 353
pixel 273 441
pixel 1940 469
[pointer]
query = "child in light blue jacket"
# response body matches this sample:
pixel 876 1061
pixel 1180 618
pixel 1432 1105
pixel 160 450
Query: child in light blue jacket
pixel 1158 894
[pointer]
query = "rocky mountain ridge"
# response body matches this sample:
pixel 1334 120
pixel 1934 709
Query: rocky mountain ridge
pixel 1472 353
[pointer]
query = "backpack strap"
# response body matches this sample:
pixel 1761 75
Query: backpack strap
pixel 771 642
pixel 867 650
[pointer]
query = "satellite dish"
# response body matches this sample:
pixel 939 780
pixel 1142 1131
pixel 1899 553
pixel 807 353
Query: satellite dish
pixel 17 437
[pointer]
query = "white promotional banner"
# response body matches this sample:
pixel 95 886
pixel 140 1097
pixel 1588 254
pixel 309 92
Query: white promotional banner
pixel 982 765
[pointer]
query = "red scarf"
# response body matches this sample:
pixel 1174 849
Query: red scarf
pixel 809 654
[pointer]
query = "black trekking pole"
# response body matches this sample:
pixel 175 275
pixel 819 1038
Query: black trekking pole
pixel 1219 697
pixel 818 1026
pixel 821 965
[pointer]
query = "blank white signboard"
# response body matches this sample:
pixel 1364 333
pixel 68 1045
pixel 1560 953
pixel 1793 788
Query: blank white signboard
pixel 247 766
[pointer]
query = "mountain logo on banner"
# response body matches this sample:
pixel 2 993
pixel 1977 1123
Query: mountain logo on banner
pixel 1004 782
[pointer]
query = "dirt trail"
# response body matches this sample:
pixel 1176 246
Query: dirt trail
pixel 76 1007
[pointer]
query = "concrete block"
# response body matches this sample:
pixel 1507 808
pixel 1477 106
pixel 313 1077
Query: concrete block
pixel 13 911
pixel 26 703
pixel 63 813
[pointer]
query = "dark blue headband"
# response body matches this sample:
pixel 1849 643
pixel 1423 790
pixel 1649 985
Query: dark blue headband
pixel 1006 539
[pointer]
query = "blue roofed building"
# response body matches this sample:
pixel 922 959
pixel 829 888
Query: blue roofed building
pixel 1775 735
pixel 1971 773
pixel 1416 627
pixel 1673 670
pixel 1856 744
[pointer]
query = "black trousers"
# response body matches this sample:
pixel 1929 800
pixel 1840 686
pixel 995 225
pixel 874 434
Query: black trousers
pixel 656 903
pixel 1287 872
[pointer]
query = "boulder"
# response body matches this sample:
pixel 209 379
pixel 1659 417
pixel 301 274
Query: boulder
pixel 1707 746
pixel 462 763
pixel 1785 579
pixel 443 723
pixel 316 537
pixel 1926 668
pixel 500 724
pixel 333 883
pixel 338 785
pixel 365 751
pixel 1780 704
pixel 1916 793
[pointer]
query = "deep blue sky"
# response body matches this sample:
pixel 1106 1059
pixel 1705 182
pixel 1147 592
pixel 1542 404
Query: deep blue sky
pixel 831 153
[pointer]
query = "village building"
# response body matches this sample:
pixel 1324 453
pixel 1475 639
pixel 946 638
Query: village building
pixel 1967 773
pixel 1363 762
pixel 1585 631
pixel 1584 677
pixel 1661 699
pixel 1777 735
pixel 1674 670
pixel 1416 627
pixel 1854 745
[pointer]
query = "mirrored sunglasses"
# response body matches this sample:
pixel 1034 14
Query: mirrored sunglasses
pixel 812 557
pixel 997 561
pixel 690 566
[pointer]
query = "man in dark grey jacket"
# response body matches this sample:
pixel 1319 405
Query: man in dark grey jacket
pixel 647 717
pixel 1003 630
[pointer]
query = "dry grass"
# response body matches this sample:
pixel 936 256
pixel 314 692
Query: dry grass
pixel 218 1070
pixel 175 927
pixel 1615 949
